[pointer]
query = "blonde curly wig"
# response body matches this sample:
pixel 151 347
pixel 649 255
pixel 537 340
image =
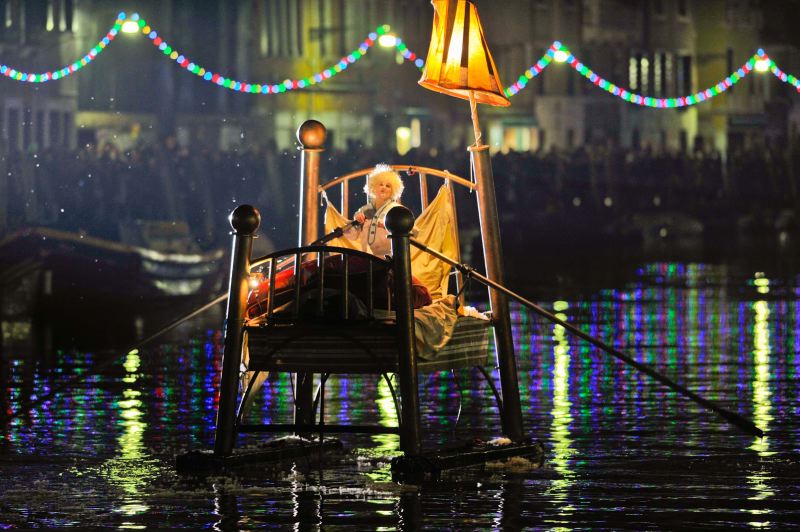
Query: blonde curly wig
pixel 385 171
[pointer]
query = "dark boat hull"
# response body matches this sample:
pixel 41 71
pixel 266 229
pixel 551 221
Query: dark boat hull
pixel 69 290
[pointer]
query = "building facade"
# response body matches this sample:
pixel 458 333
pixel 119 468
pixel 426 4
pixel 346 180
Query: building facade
pixel 658 48
pixel 37 35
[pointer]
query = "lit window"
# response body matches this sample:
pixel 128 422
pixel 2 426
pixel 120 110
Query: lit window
pixel 403 135
pixel 416 133
pixel 645 72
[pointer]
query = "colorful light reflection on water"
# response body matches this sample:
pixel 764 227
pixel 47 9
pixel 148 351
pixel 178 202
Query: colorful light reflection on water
pixel 93 440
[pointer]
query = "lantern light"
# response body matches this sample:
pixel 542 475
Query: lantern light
pixel 459 62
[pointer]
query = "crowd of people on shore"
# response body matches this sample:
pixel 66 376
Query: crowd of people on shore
pixel 95 188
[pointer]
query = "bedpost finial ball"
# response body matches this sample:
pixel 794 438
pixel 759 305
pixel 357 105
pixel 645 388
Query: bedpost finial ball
pixel 311 134
pixel 399 220
pixel 245 219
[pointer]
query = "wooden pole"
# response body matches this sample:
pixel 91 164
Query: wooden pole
pixel 493 257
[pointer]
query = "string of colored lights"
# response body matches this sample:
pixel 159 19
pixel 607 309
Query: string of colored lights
pixel 557 52
pixel 136 24
pixel 69 69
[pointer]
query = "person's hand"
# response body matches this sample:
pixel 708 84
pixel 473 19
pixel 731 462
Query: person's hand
pixel 359 217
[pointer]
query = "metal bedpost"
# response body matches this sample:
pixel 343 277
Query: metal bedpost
pixel 493 256
pixel 400 222
pixel 245 220
pixel 311 135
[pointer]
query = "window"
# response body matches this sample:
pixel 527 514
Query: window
pixel 66 129
pixel 13 128
pixel 633 73
pixel 67 13
pixel 26 128
pixel 661 74
pixel 38 129
pixel 35 15
pixel 644 74
pixel 683 8
pixel 639 73
pixel 5 15
pixel 280 28
pixel 55 129
pixel 416 133
pixel 684 78
pixel 658 7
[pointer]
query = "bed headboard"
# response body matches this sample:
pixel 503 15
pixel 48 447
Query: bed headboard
pixel 311 135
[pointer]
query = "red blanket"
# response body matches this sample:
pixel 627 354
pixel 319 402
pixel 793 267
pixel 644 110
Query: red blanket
pixel 358 284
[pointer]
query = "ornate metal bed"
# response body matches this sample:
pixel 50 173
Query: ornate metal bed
pixel 346 315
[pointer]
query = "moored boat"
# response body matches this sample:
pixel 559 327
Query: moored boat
pixel 66 289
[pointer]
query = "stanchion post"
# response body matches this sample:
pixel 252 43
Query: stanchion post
pixel 311 135
pixel 245 220
pixel 493 257
pixel 400 222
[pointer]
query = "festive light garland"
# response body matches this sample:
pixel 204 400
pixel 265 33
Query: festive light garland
pixel 208 75
pixel 69 69
pixel 557 52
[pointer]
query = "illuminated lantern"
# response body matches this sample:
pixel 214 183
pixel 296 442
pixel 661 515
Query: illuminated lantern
pixel 459 63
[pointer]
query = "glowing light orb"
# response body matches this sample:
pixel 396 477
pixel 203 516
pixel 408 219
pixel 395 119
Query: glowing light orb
pixel 560 56
pixel 387 40
pixel 129 26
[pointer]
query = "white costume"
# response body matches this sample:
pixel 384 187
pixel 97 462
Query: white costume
pixel 372 234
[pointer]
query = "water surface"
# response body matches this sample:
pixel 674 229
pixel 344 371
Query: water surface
pixel 89 437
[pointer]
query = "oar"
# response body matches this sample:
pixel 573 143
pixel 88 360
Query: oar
pixel 732 417
pixel 196 312
pixel 336 233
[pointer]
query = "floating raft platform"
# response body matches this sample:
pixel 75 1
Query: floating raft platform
pixel 277 450
pixel 426 467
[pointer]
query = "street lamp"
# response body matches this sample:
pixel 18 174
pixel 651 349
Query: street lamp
pixel 130 26
pixel 387 40
pixel 762 65
pixel 560 56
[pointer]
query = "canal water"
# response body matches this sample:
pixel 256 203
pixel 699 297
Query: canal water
pixel 89 438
